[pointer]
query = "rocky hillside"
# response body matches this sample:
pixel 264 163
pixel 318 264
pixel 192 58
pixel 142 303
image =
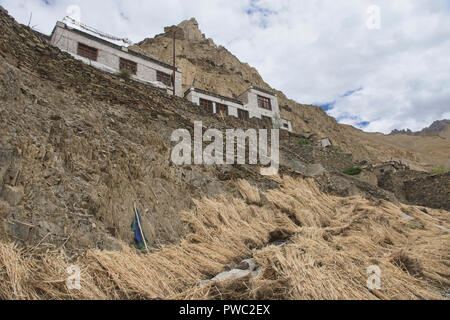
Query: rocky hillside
pixel 79 147
pixel 213 68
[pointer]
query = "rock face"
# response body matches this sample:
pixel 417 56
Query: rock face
pixel 204 64
pixel 213 68
pixel 191 30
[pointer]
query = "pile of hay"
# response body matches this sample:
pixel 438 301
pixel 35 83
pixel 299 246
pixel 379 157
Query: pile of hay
pixel 329 244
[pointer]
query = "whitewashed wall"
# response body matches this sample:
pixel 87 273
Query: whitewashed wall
pixel 109 57
pixel 286 125
pixel 250 104
pixel 195 97
pixel 250 99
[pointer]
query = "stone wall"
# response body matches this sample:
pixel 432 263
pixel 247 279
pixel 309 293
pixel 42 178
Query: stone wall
pixel 429 191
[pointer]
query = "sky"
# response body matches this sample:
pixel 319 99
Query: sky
pixel 378 65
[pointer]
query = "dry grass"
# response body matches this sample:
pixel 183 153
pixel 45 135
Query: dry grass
pixel 332 242
pixel 248 192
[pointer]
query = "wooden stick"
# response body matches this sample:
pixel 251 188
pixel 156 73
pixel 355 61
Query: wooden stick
pixel 140 228
pixel 16 178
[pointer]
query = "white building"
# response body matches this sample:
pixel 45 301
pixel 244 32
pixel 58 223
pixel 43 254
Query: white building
pixel 253 103
pixel 111 57
pixel 215 103
pixel 263 104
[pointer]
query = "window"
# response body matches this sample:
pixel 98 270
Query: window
pixel 164 78
pixel 243 115
pixel 286 125
pixel 87 52
pixel 128 65
pixel 264 103
pixel 208 105
pixel 221 108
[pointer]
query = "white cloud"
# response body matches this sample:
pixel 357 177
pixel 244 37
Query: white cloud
pixel 314 51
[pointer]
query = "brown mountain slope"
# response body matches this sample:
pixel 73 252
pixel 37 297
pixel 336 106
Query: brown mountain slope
pixel 79 146
pixel 213 68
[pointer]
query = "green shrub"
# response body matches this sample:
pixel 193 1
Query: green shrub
pixel 303 142
pixel 439 170
pixel 353 171
pixel 125 74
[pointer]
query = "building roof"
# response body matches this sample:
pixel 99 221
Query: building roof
pixel 262 90
pixel 117 47
pixel 213 95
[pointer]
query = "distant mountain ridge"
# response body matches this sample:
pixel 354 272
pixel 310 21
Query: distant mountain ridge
pixel 438 128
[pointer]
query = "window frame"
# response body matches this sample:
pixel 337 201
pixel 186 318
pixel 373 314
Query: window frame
pixel 208 105
pixel 243 112
pixel 264 102
pixel 88 52
pixel 164 78
pixel 125 64
pixel 220 107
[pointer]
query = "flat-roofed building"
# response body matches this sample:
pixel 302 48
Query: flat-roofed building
pixel 214 103
pixel 110 57
pixel 260 103
pixel 253 103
